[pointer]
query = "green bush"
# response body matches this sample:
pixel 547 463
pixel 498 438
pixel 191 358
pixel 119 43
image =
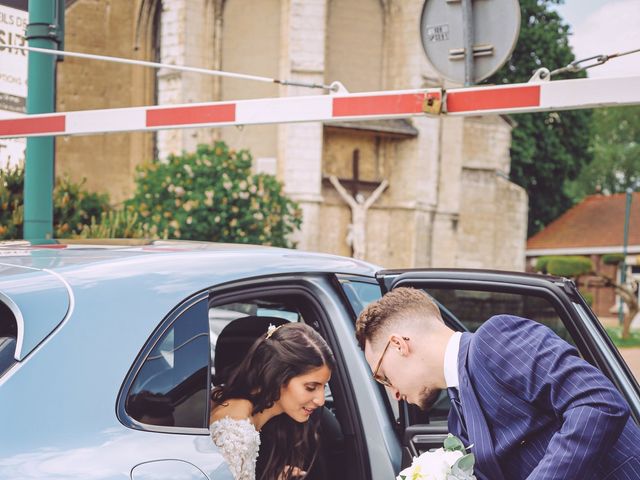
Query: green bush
pixel 73 206
pixel 212 195
pixel 569 266
pixel 541 264
pixel 11 203
pixel 118 224
pixel 615 333
pixel 612 258
pixel 588 297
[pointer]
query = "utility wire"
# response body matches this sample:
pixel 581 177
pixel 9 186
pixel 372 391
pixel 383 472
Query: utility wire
pixel 205 71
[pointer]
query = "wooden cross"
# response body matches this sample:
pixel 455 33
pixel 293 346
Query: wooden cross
pixel 359 204
pixel 354 184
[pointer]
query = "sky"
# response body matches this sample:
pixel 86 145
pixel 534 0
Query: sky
pixel 604 27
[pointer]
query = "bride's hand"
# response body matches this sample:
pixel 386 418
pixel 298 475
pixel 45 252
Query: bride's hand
pixel 295 472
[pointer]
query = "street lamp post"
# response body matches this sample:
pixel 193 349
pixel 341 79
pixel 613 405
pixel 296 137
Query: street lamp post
pixel 623 264
pixel 45 30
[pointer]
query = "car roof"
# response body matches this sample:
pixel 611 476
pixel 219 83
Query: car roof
pixel 65 254
pixel 43 283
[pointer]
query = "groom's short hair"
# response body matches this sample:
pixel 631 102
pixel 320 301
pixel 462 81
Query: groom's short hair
pixel 402 303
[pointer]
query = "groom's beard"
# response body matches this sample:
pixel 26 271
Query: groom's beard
pixel 427 398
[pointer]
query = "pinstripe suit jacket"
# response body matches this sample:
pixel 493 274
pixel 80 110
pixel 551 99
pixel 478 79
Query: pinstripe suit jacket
pixel 535 410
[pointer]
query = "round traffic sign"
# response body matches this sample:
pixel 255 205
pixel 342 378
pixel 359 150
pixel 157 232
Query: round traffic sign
pixel 496 25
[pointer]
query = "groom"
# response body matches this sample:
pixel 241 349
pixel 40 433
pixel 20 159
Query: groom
pixel 531 407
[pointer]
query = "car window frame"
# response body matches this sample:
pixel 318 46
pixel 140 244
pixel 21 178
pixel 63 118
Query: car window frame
pixel 301 284
pixel 166 324
pixel 584 327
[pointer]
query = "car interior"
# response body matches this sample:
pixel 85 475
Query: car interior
pixel 8 336
pixel 231 340
pixel 196 349
pixel 466 310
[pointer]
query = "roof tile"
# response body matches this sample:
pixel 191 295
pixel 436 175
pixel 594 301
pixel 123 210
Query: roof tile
pixel 597 221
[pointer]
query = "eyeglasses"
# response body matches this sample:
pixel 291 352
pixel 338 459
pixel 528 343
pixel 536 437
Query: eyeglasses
pixel 383 378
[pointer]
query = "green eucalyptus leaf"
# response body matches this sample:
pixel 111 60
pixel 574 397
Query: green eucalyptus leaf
pixel 465 463
pixel 453 443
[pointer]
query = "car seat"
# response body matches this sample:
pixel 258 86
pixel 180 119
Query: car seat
pixel 235 340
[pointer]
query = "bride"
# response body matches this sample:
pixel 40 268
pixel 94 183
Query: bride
pixel 271 397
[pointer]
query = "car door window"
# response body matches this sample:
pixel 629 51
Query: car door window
pixel 466 309
pixel 473 307
pixel 171 386
pixel 359 292
pixel 241 314
pixel 237 325
pixel 8 337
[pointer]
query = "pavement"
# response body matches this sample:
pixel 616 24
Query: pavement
pixel 630 355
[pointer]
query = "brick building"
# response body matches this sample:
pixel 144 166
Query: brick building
pixel 594 228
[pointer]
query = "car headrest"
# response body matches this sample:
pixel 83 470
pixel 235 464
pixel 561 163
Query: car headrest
pixel 236 339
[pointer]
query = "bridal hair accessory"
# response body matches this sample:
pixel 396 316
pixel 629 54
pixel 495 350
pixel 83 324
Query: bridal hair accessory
pixel 271 330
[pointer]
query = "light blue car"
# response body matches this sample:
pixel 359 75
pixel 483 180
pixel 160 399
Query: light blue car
pixel 108 352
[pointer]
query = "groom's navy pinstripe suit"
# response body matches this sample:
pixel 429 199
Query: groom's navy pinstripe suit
pixel 535 410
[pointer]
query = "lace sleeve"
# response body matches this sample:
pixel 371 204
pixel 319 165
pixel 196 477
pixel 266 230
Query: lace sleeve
pixel 239 442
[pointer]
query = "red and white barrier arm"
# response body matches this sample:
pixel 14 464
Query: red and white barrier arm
pixel 499 99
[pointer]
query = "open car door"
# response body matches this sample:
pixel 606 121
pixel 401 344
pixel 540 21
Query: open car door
pixel 467 298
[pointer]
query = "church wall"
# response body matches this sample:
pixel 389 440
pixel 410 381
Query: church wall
pixel 338 148
pixel 338 154
pixel 334 217
pixel 300 144
pixel 399 224
pixel 477 226
pixel 487 142
pixel 493 210
pixel 445 244
pixel 413 172
pixel 392 232
pixel 186 39
pixel 251 44
pixel 447 204
pixel 510 240
pixel 106 161
pixel 355 44
pixel 405 64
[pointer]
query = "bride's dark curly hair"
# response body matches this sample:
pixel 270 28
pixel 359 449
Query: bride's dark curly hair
pixel 292 350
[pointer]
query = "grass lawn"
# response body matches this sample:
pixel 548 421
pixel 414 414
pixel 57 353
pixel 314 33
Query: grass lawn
pixel 616 335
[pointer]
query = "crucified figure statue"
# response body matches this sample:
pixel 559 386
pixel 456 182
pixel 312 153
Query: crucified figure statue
pixel 357 232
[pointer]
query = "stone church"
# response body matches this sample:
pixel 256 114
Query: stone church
pixel 448 203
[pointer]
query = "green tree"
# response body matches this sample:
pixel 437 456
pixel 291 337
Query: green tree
pixel 212 195
pixel 547 148
pixel 582 271
pixel 615 145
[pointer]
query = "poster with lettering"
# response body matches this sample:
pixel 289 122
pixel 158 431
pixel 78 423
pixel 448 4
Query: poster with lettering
pixel 13 79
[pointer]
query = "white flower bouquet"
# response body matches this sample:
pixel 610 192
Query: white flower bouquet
pixel 451 462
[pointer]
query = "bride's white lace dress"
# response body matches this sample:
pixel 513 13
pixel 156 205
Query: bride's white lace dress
pixel 238 440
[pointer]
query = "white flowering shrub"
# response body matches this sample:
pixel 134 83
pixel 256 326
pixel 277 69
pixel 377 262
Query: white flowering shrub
pixel 212 195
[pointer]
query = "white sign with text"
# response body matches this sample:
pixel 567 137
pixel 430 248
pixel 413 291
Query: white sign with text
pixel 13 79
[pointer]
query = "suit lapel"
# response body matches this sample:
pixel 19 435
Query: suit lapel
pixel 479 434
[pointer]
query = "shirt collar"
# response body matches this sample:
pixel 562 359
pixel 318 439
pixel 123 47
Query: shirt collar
pixel 451 360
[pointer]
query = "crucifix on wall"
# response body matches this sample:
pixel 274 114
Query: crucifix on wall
pixel 357 230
